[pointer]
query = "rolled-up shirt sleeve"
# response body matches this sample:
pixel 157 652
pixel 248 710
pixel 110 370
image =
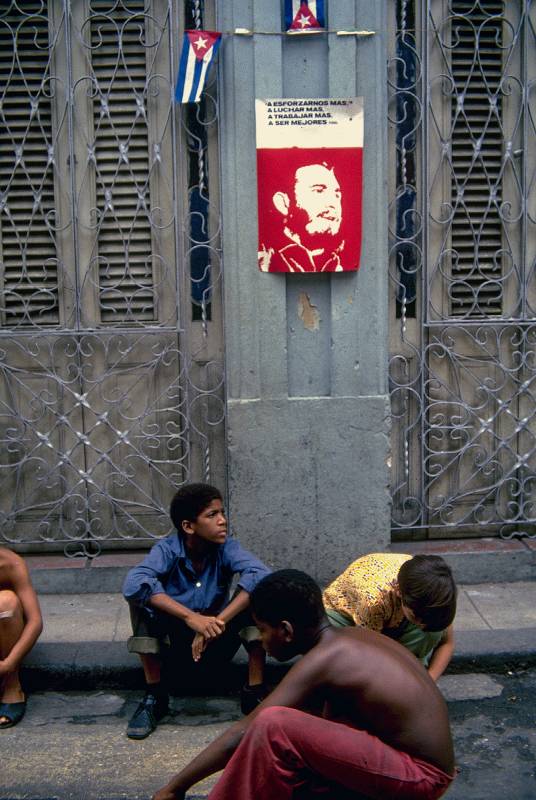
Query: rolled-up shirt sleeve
pixel 145 580
pixel 248 567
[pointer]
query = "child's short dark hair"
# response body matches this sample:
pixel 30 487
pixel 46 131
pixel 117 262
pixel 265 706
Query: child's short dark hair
pixel 288 594
pixel 427 587
pixel 190 501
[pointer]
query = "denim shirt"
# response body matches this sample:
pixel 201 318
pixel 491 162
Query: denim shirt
pixel 167 569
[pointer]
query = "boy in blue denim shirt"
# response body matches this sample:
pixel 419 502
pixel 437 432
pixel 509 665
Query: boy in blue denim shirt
pixel 179 596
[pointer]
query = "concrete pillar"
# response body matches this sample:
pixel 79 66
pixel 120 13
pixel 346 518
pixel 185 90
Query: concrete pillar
pixel 308 409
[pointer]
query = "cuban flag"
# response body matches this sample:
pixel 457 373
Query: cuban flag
pixel 199 50
pixel 304 15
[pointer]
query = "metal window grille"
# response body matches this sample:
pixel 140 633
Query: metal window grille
pixel 463 257
pixel 111 391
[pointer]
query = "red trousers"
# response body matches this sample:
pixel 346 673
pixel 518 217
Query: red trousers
pixel 288 754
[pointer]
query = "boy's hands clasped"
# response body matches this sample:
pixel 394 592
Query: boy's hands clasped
pixel 205 628
pixel 209 627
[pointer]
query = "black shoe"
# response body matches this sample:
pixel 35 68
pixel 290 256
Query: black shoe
pixel 147 716
pixel 251 696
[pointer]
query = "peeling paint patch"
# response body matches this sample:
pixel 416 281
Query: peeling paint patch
pixel 308 313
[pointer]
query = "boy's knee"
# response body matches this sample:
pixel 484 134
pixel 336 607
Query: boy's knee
pixel 145 638
pixel 272 730
pixel 250 637
pixel 9 604
pixel 272 717
pixel 143 645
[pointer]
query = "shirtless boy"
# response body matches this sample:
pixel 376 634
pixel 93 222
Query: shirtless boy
pixel 357 714
pixel 20 626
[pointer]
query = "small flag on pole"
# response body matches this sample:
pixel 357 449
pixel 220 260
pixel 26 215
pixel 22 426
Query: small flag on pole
pixel 304 15
pixel 199 50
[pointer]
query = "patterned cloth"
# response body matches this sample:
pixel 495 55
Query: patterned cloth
pixel 365 594
pixel 365 591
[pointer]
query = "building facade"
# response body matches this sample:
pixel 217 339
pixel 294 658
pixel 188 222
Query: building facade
pixel 142 347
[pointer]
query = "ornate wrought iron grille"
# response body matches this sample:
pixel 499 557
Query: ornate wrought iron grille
pixel 463 266
pixel 111 372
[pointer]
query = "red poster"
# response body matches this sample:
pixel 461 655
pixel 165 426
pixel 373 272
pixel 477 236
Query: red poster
pixel 309 182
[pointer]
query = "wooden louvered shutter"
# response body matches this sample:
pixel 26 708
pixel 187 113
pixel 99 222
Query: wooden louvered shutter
pixel 477 151
pixel 29 266
pixel 120 148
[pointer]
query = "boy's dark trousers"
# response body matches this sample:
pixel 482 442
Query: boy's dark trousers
pixel 162 634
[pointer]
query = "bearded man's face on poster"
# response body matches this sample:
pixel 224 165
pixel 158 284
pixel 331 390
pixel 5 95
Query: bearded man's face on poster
pixel 313 210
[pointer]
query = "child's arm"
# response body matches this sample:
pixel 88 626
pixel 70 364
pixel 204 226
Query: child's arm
pixel 235 560
pixel 33 621
pixel 249 568
pixel 209 627
pixel 237 604
pixel 148 577
pixel 296 690
pixel 442 655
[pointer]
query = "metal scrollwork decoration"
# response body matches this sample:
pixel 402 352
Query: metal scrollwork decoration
pixel 111 375
pixel 463 259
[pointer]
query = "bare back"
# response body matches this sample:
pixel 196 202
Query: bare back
pixel 368 681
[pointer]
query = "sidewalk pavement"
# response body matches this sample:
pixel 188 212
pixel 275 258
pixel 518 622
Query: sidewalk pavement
pixel 83 644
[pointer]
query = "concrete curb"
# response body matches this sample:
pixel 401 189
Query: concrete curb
pixel 100 665
pixel 487 651
pixel 108 665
